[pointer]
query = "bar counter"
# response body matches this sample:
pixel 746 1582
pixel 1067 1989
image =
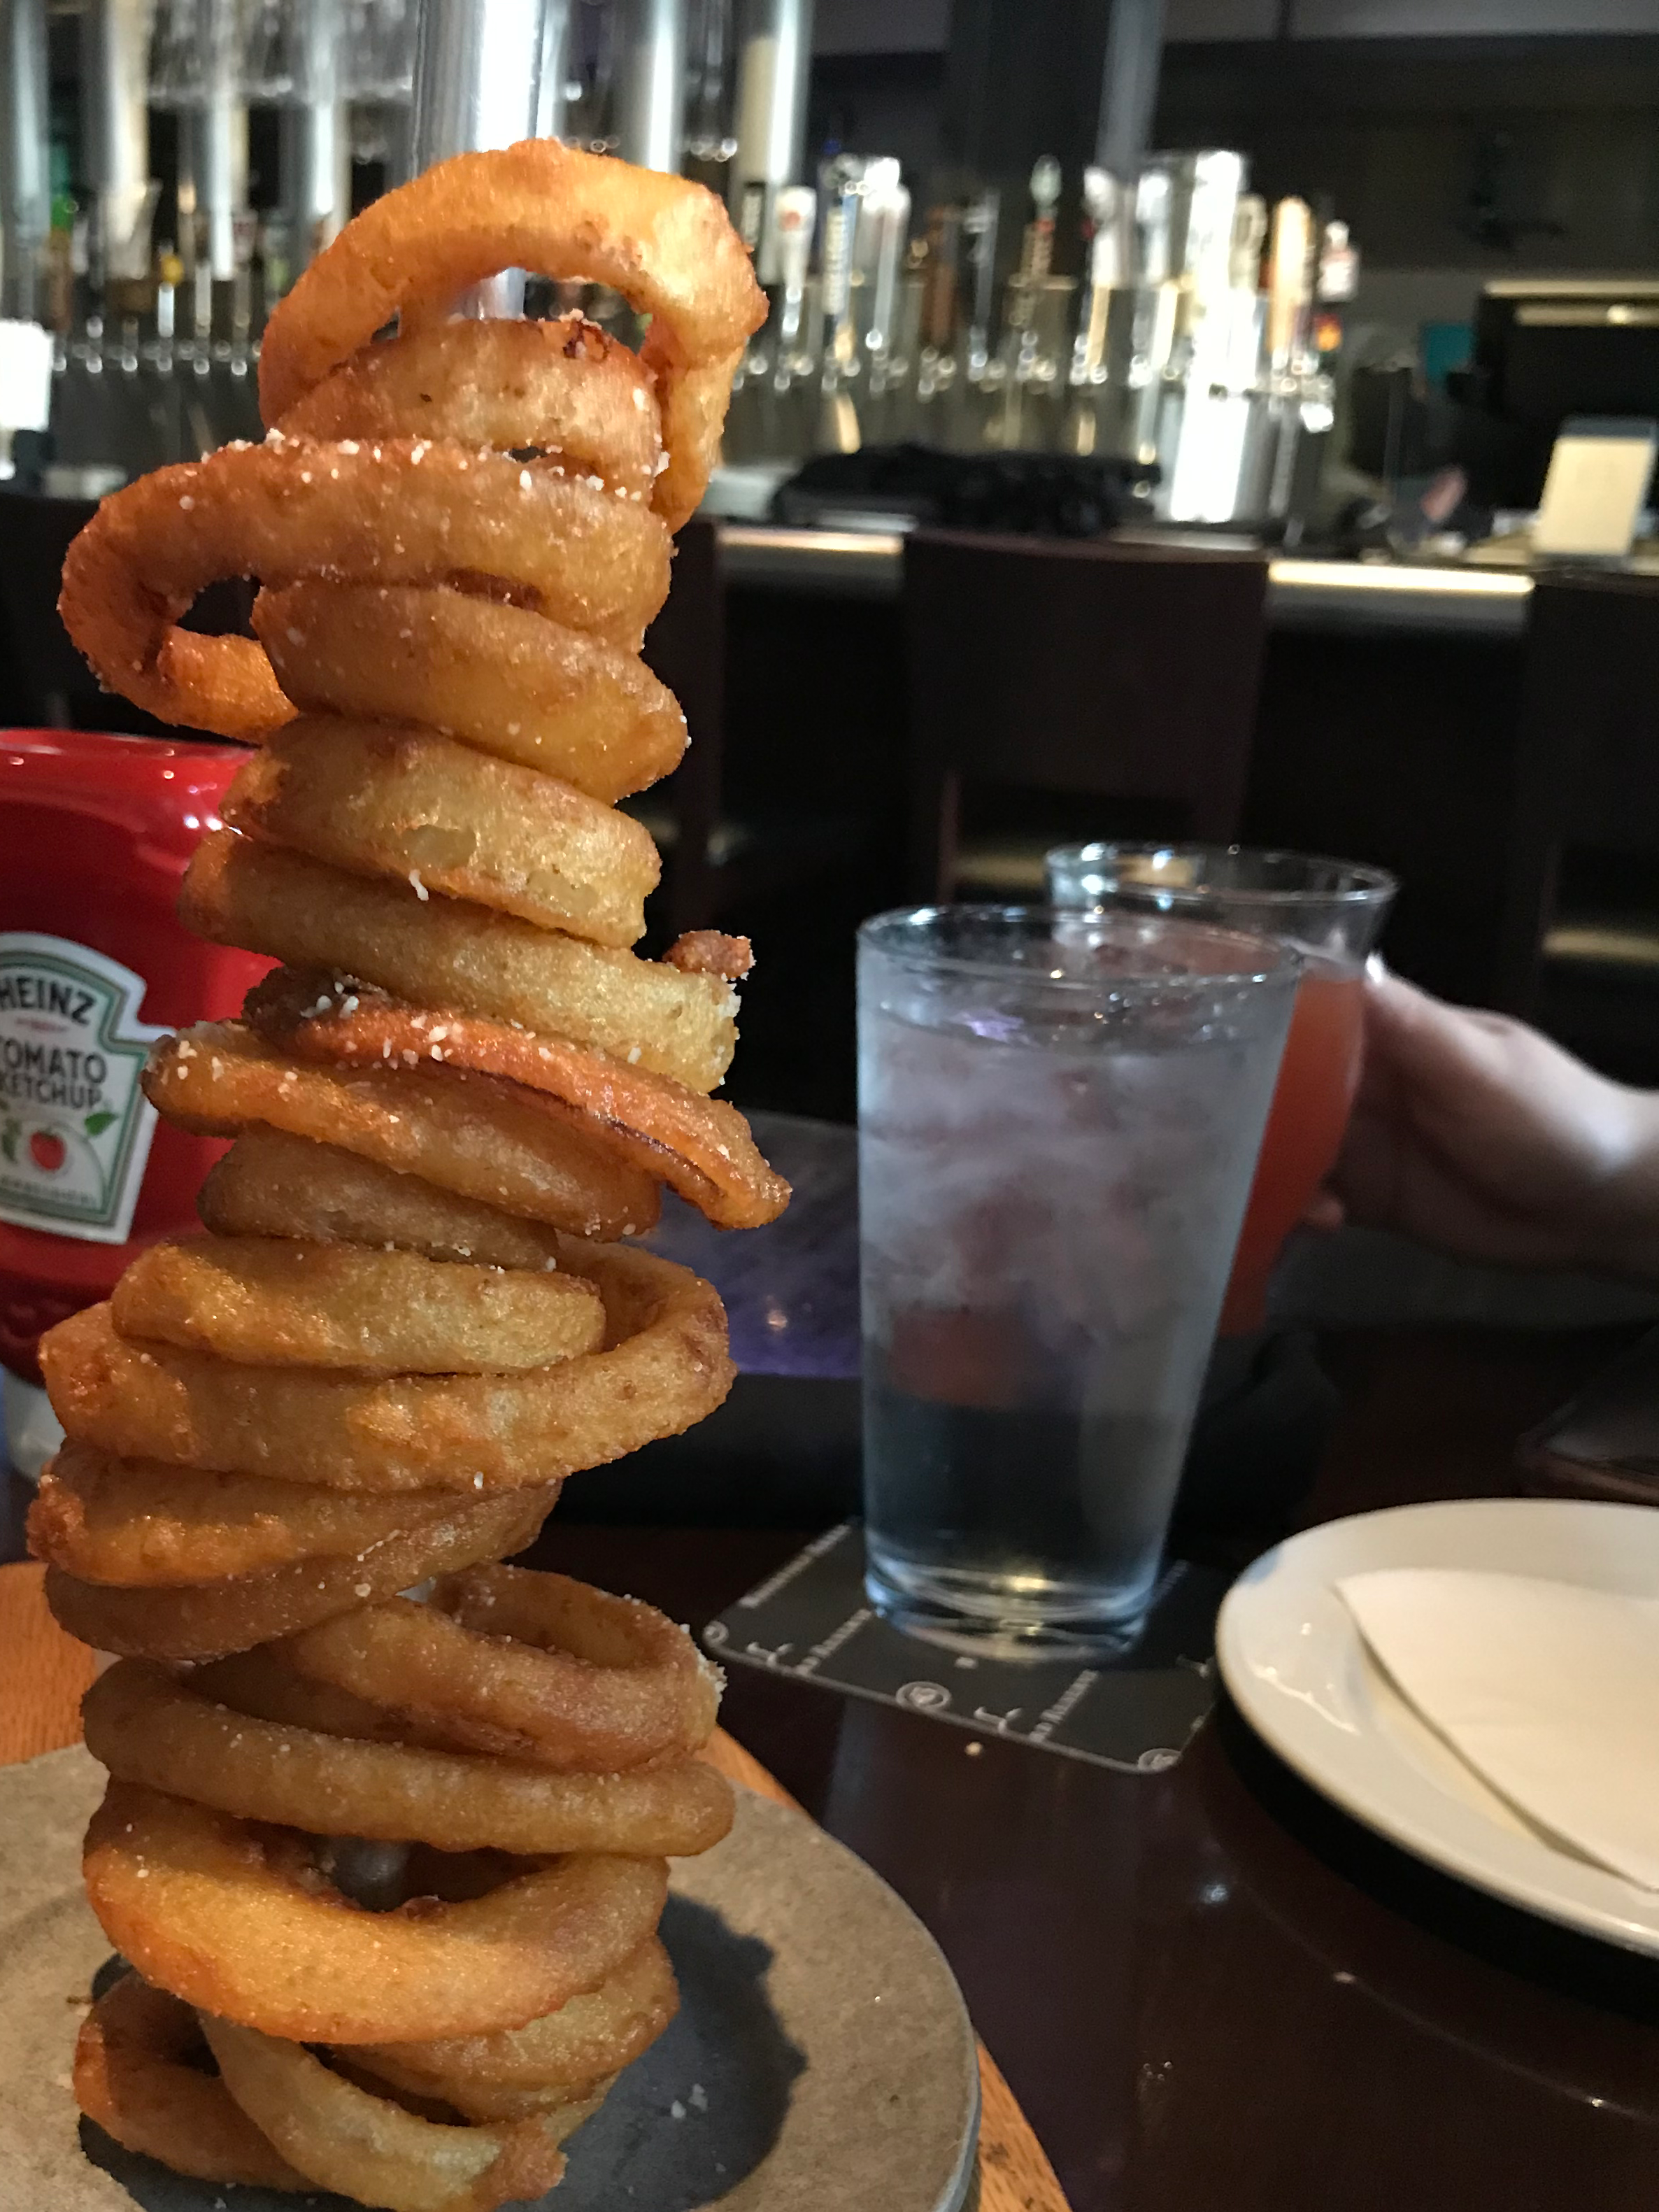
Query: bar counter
pixel 1357 598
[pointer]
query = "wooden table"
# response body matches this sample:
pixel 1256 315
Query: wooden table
pixel 1211 1991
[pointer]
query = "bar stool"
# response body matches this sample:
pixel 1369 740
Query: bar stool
pixel 1119 672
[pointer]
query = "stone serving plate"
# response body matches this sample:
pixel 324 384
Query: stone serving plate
pixel 822 2060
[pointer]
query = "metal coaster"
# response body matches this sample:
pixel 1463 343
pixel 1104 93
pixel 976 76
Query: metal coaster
pixel 1135 1712
pixel 822 2060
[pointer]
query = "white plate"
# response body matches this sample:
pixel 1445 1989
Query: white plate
pixel 1298 1670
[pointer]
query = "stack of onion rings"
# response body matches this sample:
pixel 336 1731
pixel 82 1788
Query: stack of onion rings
pixel 411 1321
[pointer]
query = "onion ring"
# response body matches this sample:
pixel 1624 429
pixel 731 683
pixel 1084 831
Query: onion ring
pixel 405 803
pixel 531 1667
pixel 270 1184
pixel 663 243
pixel 392 513
pixel 486 1140
pixel 134 2078
pixel 562 2055
pixel 443 952
pixel 139 1522
pixel 667 1368
pixel 343 2137
pixel 564 387
pixel 438 1832
pixel 241 1922
pixel 509 682
pixel 274 1301
pixel 146 1726
pixel 700 1147
pixel 207 1621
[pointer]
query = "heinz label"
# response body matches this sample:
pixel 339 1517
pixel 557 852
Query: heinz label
pixel 75 1127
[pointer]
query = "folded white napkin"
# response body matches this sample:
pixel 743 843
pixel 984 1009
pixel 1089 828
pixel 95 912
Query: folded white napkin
pixel 1549 1691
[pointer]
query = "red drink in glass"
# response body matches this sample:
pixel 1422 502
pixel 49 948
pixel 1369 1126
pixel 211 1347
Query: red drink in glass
pixel 1312 1099
pixel 1331 911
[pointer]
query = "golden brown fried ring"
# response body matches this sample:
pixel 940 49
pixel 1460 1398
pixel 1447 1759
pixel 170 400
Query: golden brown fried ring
pixel 489 1141
pixel 711 952
pixel 381 800
pixel 207 1620
pixel 441 951
pixel 145 1725
pixel 668 1368
pixel 139 1522
pixel 366 514
pixel 497 677
pixel 563 386
pixel 134 2077
pixel 239 1921
pixel 560 2055
pixel 264 1686
pixel 665 244
pixel 270 1184
pixel 274 1301
pixel 533 1667
pixel 700 1147
pixel 368 2147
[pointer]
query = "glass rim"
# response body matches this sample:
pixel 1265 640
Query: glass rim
pixel 883 932
pixel 1374 884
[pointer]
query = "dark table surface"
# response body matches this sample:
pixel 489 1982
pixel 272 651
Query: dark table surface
pixel 1207 1988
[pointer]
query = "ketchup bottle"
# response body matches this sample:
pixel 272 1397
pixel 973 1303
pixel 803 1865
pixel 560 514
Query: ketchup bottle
pixel 94 834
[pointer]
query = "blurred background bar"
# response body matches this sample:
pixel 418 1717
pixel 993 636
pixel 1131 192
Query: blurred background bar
pixel 650 82
pixel 774 51
pixel 477 72
pixel 1312 286
pixel 24 173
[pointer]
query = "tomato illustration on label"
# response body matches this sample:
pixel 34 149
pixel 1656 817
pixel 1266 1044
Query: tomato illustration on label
pixel 47 1150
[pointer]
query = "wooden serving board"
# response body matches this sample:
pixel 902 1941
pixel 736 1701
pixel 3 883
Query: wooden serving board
pixel 44 1674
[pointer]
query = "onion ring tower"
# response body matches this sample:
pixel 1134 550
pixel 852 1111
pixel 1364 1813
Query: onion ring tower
pixel 412 1316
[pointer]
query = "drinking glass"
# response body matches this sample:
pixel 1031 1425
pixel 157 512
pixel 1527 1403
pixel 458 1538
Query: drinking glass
pixel 1331 912
pixel 1058 1117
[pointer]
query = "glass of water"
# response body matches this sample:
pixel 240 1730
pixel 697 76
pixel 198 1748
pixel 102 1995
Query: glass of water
pixel 1058 1118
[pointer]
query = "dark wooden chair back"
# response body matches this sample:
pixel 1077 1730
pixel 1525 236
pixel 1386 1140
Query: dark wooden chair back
pixel 1587 763
pixel 1123 671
